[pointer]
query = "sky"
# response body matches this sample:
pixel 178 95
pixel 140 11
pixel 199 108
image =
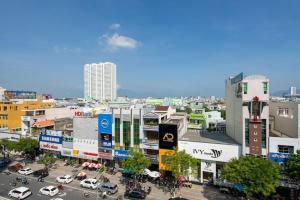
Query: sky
pixel 161 48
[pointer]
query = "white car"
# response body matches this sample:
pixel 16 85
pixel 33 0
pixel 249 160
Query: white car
pixel 64 179
pixel 89 183
pixel 49 190
pixel 20 193
pixel 25 171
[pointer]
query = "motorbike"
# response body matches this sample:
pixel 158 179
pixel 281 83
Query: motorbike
pixel 19 179
pixel 13 184
pixel 25 181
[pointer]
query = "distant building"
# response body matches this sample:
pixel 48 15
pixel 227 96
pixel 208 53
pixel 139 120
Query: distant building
pixel 247 112
pixel 100 81
pixel 293 91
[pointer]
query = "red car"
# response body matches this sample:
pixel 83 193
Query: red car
pixel 16 167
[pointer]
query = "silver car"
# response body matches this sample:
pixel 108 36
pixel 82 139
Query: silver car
pixel 109 188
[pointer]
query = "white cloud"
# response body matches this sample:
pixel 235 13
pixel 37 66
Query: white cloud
pixel 116 41
pixel 115 26
pixel 59 49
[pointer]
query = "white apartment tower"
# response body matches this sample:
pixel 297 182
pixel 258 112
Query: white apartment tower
pixel 247 112
pixel 100 81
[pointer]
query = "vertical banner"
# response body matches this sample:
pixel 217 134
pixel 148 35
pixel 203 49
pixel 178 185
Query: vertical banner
pixel 105 123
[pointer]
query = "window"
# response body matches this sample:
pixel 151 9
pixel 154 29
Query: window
pixel 255 133
pixel 283 112
pixel 126 134
pixel 245 88
pixel 255 140
pixel 285 149
pixel 117 130
pixel 247 132
pixel 265 87
pixel 4 108
pixel 136 129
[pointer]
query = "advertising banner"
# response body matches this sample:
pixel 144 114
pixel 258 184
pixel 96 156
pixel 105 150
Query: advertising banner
pixel 121 154
pixel 20 94
pixel 167 136
pixel 50 146
pixel 51 139
pixel 278 157
pixel 105 123
pixel 105 154
pixel 163 153
pixel 106 140
pixel 210 151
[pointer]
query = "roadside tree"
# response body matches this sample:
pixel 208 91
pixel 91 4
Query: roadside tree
pixel 257 176
pixel 293 167
pixel 47 159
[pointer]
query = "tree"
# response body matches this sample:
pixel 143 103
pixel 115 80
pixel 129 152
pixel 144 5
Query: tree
pixel 258 177
pixel 47 159
pixel 223 114
pixel 180 163
pixel 27 146
pixel 293 166
pixel 136 162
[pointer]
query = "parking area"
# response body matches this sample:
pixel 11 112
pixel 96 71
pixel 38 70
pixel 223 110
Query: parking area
pixel 73 191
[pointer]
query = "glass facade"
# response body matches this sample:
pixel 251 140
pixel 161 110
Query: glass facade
pixel 126 134
pixel 264 133
pixel 247 132
pixel 136 131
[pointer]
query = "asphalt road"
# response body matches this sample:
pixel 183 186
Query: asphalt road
pixel 69 192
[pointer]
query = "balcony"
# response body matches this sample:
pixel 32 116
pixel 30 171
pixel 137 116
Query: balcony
pixel 151 127
pixel 152 158
pixel 149 144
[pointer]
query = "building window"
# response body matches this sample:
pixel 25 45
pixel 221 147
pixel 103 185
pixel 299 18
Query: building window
pixel 265 87
pixel 245 88
pixel 117 130
pixel 285 149
pixel 255 133
pixel 247 132
pixel 136 129
pixel 255 140
pixel 4 108
pixel 264 133
pixel 283 112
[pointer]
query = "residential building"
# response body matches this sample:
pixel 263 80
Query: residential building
pixel 212 119
pixel 100 81
pixel 247 112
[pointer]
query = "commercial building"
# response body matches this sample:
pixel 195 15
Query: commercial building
pixel 247 112
pixel 11 112
pixel 212 149
pixel 100 81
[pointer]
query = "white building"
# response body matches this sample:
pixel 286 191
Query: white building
pixel 247 112
pixel 212 119
pixel 293 91
pixel 100 81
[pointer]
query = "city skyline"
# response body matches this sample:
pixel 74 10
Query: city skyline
pixel 161 48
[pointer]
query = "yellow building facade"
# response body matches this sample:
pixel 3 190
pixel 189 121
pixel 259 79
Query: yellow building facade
pixel 12 111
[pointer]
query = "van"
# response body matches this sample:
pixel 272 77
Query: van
pixel 110 188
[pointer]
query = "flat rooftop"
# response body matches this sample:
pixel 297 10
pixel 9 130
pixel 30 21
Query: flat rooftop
pixel 207 137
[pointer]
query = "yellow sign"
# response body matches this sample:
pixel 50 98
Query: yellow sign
pixel 163 153
pixel 75 152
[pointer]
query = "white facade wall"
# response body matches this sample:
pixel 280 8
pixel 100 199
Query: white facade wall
pixel 236 113
pixel 56 113
pixel 275 141
pixel 100 81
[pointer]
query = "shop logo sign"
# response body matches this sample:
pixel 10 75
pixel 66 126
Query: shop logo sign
pixel 168 137
pixel 213 152
pixel 104 123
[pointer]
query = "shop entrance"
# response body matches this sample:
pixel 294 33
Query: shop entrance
pixel 208 177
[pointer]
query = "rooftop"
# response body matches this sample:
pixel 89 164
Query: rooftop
pixel 161 108
pixel 207 137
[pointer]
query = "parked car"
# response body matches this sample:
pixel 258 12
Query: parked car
pixel 25 171
pixel 135 194
pixel 41 173
pixel 49 190
pixel 20 193
pixel 89 183
pixel 16 167
pixel 109 188
pixel 64 179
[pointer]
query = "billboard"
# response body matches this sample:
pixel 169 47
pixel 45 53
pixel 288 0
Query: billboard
pixel 168 138
pixel 163 153
pixel 20 94
pixel 105 123
pixel 51 139
pixel 106 140
pixel 237 78
pixel 121 154
pixel 278 157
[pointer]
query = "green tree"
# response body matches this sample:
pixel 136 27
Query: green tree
pixel 223 114
pixel 180 163
pixel 258 176
pixel 136 162
pixel 293 166
pixel 47 159
pixel 27 146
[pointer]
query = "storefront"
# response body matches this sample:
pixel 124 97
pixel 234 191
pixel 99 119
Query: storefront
pixel 213 156
pixel 51 143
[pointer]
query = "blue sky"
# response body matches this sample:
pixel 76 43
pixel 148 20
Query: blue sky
pixel 161 48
